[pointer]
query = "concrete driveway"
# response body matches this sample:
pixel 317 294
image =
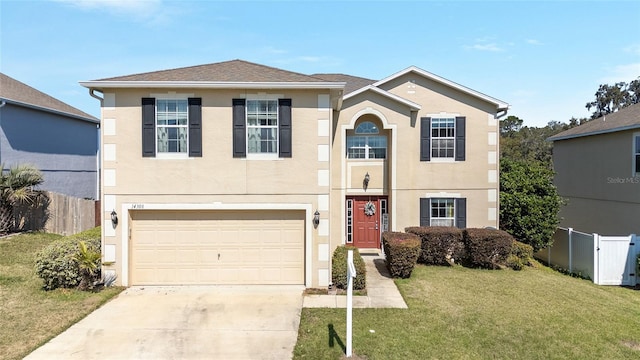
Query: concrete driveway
pixel 216 322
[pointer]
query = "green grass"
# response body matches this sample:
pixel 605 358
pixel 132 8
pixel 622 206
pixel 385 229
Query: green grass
pixel 30 316
pixel 461 313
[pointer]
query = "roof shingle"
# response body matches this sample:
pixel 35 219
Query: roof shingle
pixel 624 119
pixel 353 82
pixel 16 91
pixel 227 71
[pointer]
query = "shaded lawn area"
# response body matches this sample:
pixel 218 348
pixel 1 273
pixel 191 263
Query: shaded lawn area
pixel 461 313
pixel 30 316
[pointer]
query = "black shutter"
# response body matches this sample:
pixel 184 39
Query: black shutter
pixel 284 127
pixel 425 212
pixel 425 139
pixel 195 127
pixel 239 129
pixel 460 138
pixel 148 127
pixel 461 213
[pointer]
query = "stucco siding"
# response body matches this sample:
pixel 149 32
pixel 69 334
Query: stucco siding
pixel 594 173
pixel 63 148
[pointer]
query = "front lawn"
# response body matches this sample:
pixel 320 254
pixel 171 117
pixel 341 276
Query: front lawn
pixel 30 316
pixel 461 313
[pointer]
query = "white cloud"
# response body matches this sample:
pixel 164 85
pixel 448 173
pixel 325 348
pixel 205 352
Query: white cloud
pixel 486 47
pixel 634 49
pixel 626 73
pixel 534 42
pixel 151 11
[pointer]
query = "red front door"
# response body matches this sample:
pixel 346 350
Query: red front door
pixel 366 221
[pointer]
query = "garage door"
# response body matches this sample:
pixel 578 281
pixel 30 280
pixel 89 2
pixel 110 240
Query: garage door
pixel 216 247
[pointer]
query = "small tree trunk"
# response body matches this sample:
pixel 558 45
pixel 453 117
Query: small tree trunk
pixel 6 218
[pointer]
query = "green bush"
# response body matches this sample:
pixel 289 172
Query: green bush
pixel 339 268
pixel 56 263
pixel 440 245
pixel 401 251
pixel 486 248
pixel 520 255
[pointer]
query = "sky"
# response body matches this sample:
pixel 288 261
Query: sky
pixel 546 59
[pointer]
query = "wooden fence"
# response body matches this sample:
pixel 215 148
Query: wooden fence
pixel 57 213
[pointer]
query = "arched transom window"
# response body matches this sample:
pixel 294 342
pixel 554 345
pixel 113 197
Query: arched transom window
pixel 367 143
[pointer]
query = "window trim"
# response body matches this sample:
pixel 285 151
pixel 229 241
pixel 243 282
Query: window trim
pixel 367 137
pixel 635 151
pixel 446 117
pixel 452 218
pixel 259 155
pixel 168 154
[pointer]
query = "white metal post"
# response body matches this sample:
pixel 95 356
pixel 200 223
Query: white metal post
pixel 351 274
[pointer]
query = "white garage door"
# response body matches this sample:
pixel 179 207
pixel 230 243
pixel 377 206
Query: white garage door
pixel 216 247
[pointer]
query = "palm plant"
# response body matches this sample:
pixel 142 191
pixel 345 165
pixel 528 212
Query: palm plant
pixel 89 264
pixel 17 185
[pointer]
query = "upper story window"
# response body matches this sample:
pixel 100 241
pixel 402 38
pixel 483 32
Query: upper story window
pixel 443 136
pixel 262 126
pixel 366 143
pixel 636 154
pixel 172 126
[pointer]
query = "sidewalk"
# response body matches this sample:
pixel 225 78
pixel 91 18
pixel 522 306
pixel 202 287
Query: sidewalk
pixel 381 290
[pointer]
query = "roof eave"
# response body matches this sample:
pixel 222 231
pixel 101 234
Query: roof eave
pixel 591 133
pixel 211 85
pixel 412 105
pixel 53 111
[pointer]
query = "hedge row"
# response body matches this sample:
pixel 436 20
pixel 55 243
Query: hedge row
pixel 339 268
pixel 401 251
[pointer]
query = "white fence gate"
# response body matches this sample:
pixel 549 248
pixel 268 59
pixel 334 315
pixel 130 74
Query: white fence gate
pixel 607 260
pixel 616 260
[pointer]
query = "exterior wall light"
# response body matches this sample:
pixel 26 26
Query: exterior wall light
pixel 114 218
pixel 365 182
pixel 316 219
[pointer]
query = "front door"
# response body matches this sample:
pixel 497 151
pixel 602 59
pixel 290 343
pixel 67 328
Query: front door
pixel 366 216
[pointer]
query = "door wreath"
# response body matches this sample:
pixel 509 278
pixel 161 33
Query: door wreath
pixel 369 209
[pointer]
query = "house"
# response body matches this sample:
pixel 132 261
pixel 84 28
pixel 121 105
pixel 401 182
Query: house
pixel 597 168
pixel 239 173
pixel 57 138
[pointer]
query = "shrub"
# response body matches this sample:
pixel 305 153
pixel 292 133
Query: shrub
pixel 440 245
pixel 401 251
pixel 56 263
pixel 339 268
pixel 487 248
pixel 520 255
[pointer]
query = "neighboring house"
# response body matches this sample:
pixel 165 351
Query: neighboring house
pixel 239 173
pixel 597 167
pixel 57 138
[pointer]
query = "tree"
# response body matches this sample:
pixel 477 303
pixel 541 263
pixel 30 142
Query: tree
pixel 510 125
pixel 529 202
pixel 17 185
pixel 611 98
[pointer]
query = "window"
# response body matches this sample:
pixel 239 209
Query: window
pixel 365 144
pixel 443 137
pixel 171 126
pixel 349 220
pixel 262 126
pixel 442 212
pixel 636 154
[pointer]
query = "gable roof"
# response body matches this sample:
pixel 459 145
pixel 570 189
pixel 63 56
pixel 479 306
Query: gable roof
pixel 412 105
pixel 16 92
pixel 500 105
pixel 227 74
pixel 624 119
pixel 353 83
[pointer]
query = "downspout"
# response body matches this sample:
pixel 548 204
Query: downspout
pixel 98 160
pixel 93 95
pixel 2 104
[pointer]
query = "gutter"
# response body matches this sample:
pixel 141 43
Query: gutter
pixel 211 85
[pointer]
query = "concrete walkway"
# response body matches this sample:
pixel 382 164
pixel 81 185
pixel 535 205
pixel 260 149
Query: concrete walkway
pixel 381 290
